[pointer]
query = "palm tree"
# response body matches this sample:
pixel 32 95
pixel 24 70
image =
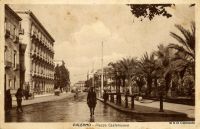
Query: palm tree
pixel 114 72
pixel 147 66
pixel 126 66
pixel 165 69
pixel 185 55
pixel 138 76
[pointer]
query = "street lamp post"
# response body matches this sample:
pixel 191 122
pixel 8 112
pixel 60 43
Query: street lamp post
pixel 102 72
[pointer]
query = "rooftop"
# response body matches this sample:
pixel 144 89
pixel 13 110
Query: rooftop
pixel 36 19
pixel 12 12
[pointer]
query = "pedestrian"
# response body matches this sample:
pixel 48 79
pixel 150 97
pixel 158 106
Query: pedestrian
pixel 19 96
pixel 91 100
pixel 8 101
pixel 76 95
pixel 26 94
pixel 105 96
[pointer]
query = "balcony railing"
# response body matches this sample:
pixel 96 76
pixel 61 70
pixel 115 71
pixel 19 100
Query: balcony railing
pixel 16 67
pixel 7 35
pixel 21 31
pixel 8 64
pixel 16 39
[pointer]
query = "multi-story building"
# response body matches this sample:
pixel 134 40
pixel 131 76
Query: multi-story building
pixel 39 55
pixel 80 85
pixel 13 52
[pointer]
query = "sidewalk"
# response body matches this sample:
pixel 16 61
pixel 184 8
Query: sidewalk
pixel 181 108
pixel 44 98
pixel 152 109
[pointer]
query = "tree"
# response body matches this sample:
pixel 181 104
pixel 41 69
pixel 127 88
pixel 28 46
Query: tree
pixel 62 77
pixel 185 55
pixel 138 77
pixel 126 66
pixel 150 10
pixel 165 69
pixel 116 73
pixel 147 66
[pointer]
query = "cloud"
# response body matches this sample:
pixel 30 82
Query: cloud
pixel 92 33
pixel 80 29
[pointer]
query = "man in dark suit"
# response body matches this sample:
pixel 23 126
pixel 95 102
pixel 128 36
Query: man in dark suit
pixel 91 100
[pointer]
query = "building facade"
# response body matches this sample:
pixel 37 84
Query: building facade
pixel 39 55
pixel 13 51
pixel 80 85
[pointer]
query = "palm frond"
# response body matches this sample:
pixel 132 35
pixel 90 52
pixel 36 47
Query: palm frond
pixel 181 49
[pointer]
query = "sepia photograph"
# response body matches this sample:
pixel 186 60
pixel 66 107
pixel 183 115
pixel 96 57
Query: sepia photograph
pixel 99 63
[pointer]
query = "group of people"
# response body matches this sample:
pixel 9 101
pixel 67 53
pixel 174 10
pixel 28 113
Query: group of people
pixel 8 100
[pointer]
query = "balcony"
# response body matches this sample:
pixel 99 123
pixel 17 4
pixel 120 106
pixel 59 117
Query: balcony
pixel 16 39
pixel 33 34
pixel 7 35
pixel 33 53
pixel 21 31
pixel 8 64
pixel 33 73
pixel 16 67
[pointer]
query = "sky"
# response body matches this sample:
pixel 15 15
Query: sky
pixel 79 31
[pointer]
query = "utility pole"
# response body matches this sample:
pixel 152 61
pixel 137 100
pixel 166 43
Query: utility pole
pixel 102 71
pixel 93 76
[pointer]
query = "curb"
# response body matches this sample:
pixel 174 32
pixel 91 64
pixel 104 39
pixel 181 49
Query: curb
pixel 134 112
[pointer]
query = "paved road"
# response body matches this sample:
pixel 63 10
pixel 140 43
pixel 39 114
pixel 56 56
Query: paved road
pixel 76 110
pixel 69 110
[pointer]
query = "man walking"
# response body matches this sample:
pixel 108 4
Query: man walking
pixel 91 100
pixel 8 101
pixel 105 96
pixel 19 96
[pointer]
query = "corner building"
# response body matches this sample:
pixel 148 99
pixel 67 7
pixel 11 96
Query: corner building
pixel 13 51
pixel 39 55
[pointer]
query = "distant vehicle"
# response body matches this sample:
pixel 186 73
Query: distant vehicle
pixel 73 91
pixel 85 90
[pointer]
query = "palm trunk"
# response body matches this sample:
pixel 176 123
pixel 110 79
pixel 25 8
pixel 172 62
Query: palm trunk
pixel 156 87
pixel 167 83
pixel 149 85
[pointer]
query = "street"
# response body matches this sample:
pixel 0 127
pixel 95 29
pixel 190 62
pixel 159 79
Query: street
pixel 68 110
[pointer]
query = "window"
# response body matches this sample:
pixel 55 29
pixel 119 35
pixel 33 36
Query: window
pixel 35 67
pixel 10 83
pixel 14 58
pixel 14 30
pixel 5 53
pixel 5 25
pixel 14 82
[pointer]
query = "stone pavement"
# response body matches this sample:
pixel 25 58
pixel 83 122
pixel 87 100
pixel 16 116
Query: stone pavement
pixel 44 98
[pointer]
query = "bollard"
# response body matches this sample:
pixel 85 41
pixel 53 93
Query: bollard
pixel 117 99
pixel 126 101
pixel 120 99
pixel 112 98
pixel 161 104
pixel 132 102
